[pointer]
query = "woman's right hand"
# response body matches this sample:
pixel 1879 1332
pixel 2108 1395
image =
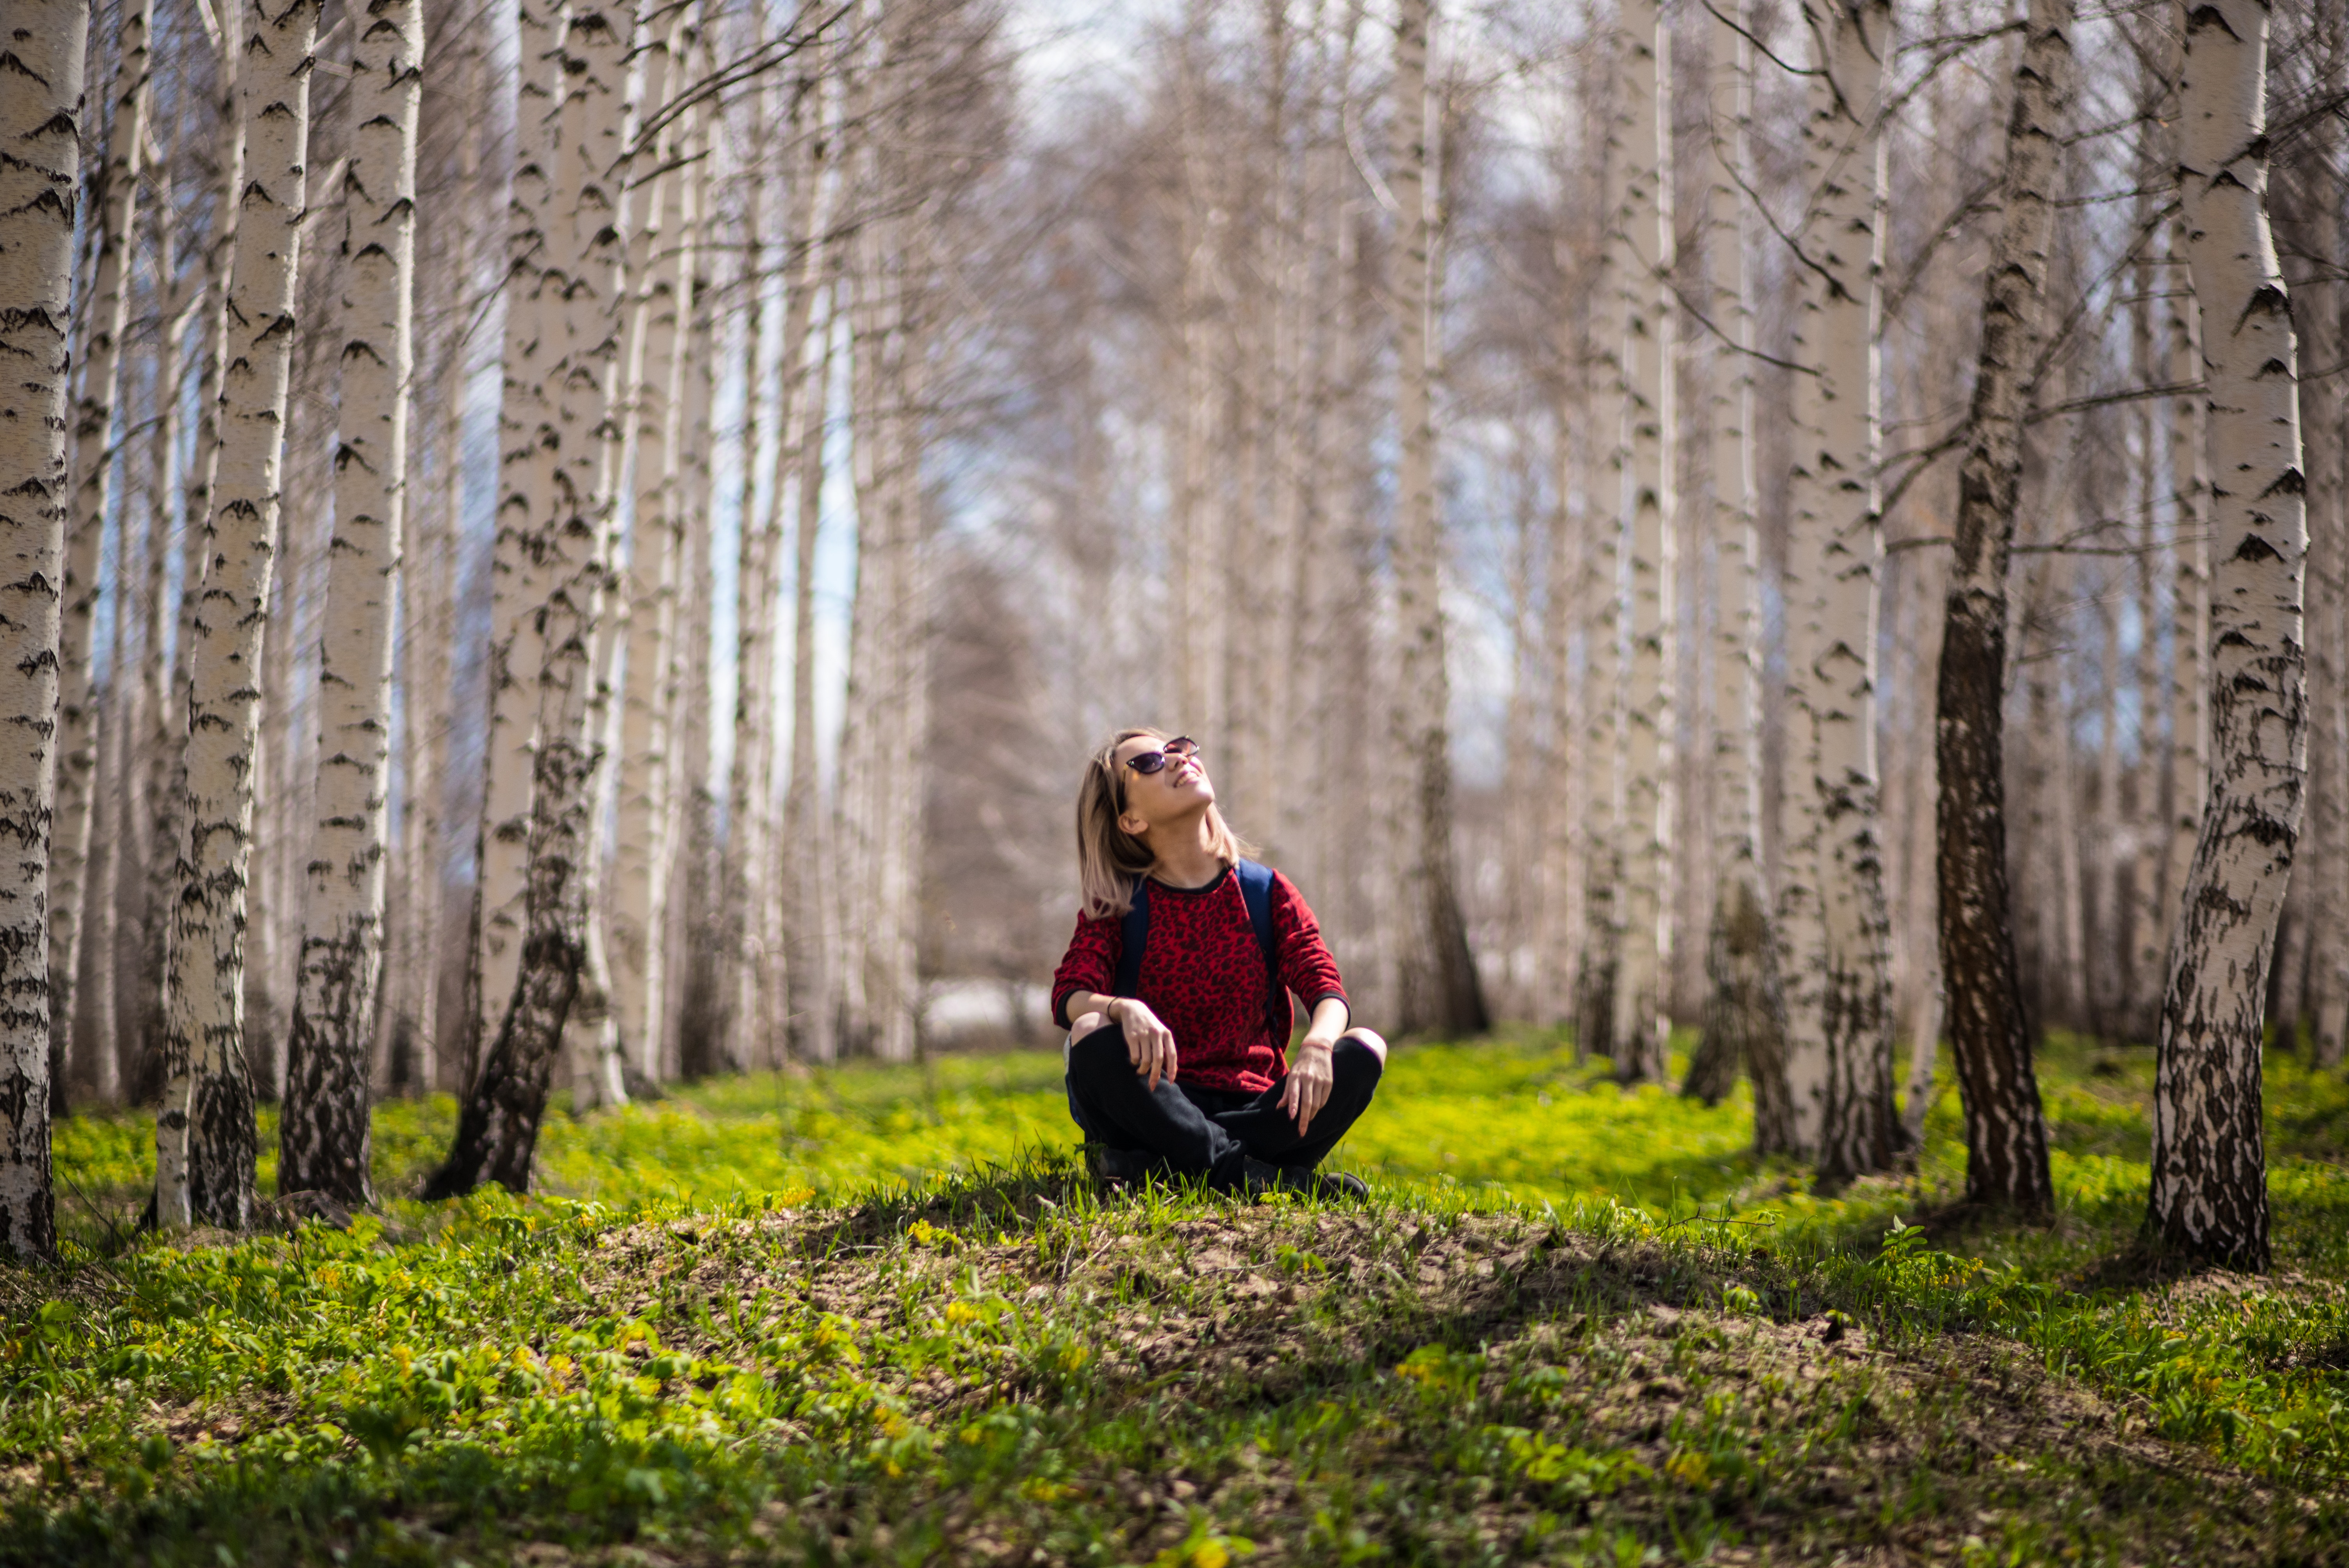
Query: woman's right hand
pixel 1149 1044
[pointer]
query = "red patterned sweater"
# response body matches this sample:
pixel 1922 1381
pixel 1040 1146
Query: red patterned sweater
pixel 1203 975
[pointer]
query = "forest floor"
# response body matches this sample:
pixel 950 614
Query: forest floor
pixel 877 1315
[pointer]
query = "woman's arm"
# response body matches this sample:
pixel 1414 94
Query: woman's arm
pixel 1306 1089
pixel 1149 1044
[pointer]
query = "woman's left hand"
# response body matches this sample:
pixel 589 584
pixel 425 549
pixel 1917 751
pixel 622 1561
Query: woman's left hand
pixel 1306 1089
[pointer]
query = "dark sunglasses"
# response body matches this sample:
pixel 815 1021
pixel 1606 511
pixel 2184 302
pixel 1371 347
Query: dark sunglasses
pixel 1148 762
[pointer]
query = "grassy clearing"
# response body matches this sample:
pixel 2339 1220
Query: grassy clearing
pixel 874 1315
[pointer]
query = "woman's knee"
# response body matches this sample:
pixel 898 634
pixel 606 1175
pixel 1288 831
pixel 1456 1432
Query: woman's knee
pixel 1367 1043
pixel 1099 1046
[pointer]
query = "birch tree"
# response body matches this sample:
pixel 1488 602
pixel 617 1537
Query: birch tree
pixel 2209 1195
pixel 497 1129
pixel 761 967
pixel 2187 761
pixel 1839 1062
pixel 2006 1135
pixel 41 49
pixel 324 1130
pixel 808 970
pixel 1643 1033
pixel 527 446
pixel 1744 1017
pixel 205 1138
pixel 1439 989
pixel 107 312
pixel 663 274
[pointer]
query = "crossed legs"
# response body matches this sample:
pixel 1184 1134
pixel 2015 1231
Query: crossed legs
pixel 1211 1132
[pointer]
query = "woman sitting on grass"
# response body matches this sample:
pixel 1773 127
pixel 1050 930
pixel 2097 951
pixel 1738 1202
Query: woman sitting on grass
pixel 1175 992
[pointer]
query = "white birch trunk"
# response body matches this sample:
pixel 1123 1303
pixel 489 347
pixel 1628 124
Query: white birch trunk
pixel 690 1053
pixel 1642 1029
pixel 766 951
pixel 108 311
pixel 2208 1196
pixel 496 1132
pixel 753 612
pixel 205 1136
pixel 2189 759
pixel 324 1141
pixel 642 844
pixel 527 446
pixel 807 854
pixel 1746 1018
pixel 1840 1045
pixel 1438 989
pixel 41 117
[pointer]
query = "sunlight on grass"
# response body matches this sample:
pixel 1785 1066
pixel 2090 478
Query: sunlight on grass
pixel 461 1366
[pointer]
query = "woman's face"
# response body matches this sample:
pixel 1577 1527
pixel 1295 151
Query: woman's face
pixel 1179 790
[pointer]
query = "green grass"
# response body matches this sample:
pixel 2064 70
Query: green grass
pixel 875 1314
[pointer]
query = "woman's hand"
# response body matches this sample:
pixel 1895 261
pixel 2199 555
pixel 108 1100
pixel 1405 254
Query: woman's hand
pixel 1306 1089
pixel 1149 1044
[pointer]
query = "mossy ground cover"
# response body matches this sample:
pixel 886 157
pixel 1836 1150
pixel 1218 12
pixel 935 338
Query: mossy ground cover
pixel 875 1315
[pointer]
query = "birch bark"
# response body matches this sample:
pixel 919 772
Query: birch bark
pixel 642 843
pixel 324 1141
pixel 1841 1075
pixel 41 54
pixel 2209 1195
pixel 1642 1029
pixel 527 446
pixel 497 1131
pixel 1990 1036
pixel 172 796
pixel 810 969
pixel 1745 1012
pixel 115 196
pixel 2188 761
pixel 753 596
pixel 1438 987
pixel 205 1138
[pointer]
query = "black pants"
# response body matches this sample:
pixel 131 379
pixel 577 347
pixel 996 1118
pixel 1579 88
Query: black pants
pixel 1208 1132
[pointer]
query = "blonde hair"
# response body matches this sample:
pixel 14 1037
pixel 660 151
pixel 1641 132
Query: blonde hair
pixel 1111 861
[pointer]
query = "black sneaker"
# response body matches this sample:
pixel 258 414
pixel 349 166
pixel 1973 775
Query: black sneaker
pixel 1331 1186
pixel 1116 1166
pixel 1328 1185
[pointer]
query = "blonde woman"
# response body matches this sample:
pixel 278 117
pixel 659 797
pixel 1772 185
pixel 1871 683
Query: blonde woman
pixel 1175 991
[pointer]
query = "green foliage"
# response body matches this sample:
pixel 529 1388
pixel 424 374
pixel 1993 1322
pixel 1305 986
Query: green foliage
pixel 876 1314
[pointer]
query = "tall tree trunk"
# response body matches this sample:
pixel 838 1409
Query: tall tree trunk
pixel 693 1052
pixel 527 443
pixel 1846 1067
pixel 1643 1029
pixel 1989 1035
pixel 2188 761
pixel 40 115
pixel 115 193
pixel 496 1132
pixel 1745 1016
pixel 168 1059
pixel 164 728
pixel 810 967
pixel 205 1137
pixel 2210 1169
pixel 2332 1020
pixel 325 1140
pixel 1439 990
pixel 642 844
pixel 754 582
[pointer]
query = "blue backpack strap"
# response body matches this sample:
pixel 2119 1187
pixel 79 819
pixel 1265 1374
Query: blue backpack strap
pixel 1134 937
pixel 1255 889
